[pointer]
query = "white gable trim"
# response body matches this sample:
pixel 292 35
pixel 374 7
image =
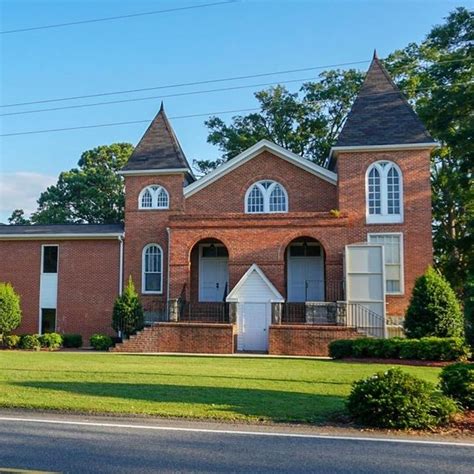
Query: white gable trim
pixel 406 146
pixel 233 296
pixel 153 172
pixel 252 152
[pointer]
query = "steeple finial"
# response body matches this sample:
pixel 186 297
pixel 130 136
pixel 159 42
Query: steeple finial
pixel 375 54
pixel 162 106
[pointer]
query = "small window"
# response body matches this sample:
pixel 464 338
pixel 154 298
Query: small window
pixel 50 259
pixel 152 269
pixel 393 252
pixel 305 250
pixel 153 197
pixel 266 197
pixel 48 320
pixel 214 251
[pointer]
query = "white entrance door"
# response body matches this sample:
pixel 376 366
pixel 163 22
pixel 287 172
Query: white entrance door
pixel 253 320
pixel 305 279
pixel 213 278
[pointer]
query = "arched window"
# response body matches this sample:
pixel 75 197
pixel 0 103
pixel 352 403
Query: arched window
pixel 152 269
pixel 153 197
pixel 384 193
pixel 266 196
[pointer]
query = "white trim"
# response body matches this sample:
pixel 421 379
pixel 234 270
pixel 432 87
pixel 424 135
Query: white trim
pixel 266 193
pixel 402 261
pixel 40 318
pixel 232 298
pixel 154 172
pixel 154 196
pixel 148 292
pixel 120 239
pixel 405 146
pixel 252 152
pixel 60 236
pixel 384 217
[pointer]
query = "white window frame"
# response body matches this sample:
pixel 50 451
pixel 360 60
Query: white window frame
pixel 154 197
pixel 266 193
pixel 43 246
pixel 384 217
pixel 402 261
pixel 144 290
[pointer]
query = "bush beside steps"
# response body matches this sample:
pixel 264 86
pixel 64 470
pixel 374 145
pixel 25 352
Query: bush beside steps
pixel 426 348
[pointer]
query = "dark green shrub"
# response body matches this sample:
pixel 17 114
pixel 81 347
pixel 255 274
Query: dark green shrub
pixel 433 309
pixel 469 309
pixel 390 348
pixel 10 312
pixel 30 341
pixel 457 382
pixel 12 341
pixel 128 317
pixel 51 340
pixel 395 399
pixel 366 347
pixel 409 349
pixel 341 348
pixel 101 342
pixel 72 340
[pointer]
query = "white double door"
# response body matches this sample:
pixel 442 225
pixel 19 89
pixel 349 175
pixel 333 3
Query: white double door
pixel 253 321
pixel 213 278
pixel 305 279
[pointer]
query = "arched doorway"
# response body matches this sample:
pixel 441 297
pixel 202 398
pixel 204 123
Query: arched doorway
pixel 209 271
pixel 305 270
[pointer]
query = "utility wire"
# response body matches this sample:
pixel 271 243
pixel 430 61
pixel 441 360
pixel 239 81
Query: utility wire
pixel 113 18
pixel 206 91
pixel 111 124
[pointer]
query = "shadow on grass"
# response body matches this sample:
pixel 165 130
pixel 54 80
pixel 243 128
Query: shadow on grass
pixel 274 405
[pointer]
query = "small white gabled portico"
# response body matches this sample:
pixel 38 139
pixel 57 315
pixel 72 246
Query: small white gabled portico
pixel 254 295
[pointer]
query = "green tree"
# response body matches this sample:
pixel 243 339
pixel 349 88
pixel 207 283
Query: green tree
pixel 91 193
pixel 10 311
pixel 128 315
pixel 307 123
pixel 18 218
pixel 437 76
pixel 434 309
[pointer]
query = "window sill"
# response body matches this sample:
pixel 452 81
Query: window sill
pixel 384 220
pixel 152 292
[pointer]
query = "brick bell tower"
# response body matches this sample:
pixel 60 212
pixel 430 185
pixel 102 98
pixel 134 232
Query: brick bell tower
pixel 382 159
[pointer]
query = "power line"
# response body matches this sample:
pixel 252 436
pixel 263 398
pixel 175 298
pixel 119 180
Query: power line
pixel 206 91
pixel 184 84
pixel 196 83
pixel 113 18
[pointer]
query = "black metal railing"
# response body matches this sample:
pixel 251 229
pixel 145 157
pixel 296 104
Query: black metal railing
pixel 211 312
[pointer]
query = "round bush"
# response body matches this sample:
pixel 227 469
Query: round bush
pixel 433 309
pixel 101 342
pixel 457 382
pixel 51 341
pixel 72 340
pixel 395 399
pixel 30 341
pixel 12 341
pixel 10 312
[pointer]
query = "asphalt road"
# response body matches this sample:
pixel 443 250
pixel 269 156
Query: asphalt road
pixel 84 445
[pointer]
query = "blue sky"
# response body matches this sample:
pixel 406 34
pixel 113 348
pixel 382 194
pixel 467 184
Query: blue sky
pixel 245 37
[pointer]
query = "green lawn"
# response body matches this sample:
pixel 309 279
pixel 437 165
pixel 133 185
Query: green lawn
pixel 251 389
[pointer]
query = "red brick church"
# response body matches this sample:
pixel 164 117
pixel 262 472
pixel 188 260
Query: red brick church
pixel 268 252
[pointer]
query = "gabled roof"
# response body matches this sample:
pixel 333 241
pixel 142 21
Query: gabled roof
pixel 61 231
pixel 252 152
pixel 158 149
pixel 233 296
pixel 381 115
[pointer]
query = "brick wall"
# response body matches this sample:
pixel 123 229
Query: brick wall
pixel 182 337
pixel 305 340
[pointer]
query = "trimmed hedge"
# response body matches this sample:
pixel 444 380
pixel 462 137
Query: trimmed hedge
pixel 426 348
pixel 72 340
pixel 395 399
pixel 101 342
pixel 457 382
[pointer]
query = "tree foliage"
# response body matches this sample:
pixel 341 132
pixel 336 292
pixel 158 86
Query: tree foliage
pixel 10 311
pixel 128 312
pixel 434 309
pixel 18 218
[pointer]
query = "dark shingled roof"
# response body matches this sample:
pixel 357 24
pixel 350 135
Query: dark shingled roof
pixel 381 115
pixel 158 148
pixel 32 230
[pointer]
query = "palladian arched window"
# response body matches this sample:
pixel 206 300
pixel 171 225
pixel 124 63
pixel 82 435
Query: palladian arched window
pixel 266 197
pixel 153 197
pixel 152 269
pixel 384 191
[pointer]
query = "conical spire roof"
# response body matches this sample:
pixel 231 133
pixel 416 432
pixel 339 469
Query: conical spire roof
pixel 158 149
pixel 381 115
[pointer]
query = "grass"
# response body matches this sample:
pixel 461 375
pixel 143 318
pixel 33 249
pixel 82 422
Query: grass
pixel 244 389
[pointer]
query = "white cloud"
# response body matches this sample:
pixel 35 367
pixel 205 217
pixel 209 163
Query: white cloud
pixel 21 190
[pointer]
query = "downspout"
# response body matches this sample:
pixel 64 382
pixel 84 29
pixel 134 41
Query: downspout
pixel 168 231
pixel 120 238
